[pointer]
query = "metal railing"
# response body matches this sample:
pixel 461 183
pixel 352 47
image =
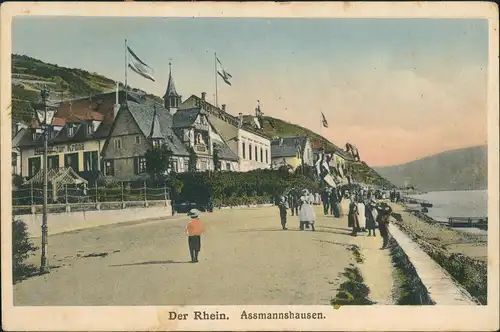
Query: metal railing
pixel 76 198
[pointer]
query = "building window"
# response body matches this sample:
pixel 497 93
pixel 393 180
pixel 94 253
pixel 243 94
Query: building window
pixel 157 143
pixel 228 166
pixel 249 151
pixel 34 165
pixel 90 161
pixel 139 165
pixel 243 150
pixel 175 166
pixel 267 157
pixel 14 159
pixel 35 136
pixel 137 139
pixel 71 160
pixel 261 155
pixel 89 128
pixel 109 168
pixel 203 165
pixel 71 129
pixel 53 162
pixel 117 143
pixel 186 165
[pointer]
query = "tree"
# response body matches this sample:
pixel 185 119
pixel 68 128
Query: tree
pixel 22 248
pixel 158 160
pixel 193 160
pixel 216 158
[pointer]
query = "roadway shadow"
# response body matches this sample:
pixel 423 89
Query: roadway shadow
pixel 264 230
pixel 333 242
pixel 151 263
pixel 347 233
pixel 339 228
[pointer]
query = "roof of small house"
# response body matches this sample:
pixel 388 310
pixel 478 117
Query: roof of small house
pixel 185 118
pixel 287 146
pixel 225 152
pixel 143 113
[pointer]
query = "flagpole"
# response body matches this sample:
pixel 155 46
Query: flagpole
pixel 126 68
pixel 216 104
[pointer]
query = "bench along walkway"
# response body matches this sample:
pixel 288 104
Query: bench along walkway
pixel 440 286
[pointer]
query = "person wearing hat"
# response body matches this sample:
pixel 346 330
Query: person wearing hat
pixel 194 228
pixel 283 206
pixel 384 214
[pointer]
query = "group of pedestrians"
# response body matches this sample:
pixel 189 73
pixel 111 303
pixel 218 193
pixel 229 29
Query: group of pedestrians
pixel 300 206
pixel 365 214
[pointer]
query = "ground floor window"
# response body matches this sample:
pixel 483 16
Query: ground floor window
pixel 34 165
pixel 53 162
pixel 175 166
pixel 203 165
pixel 139 165
pixel 90 161
pixel 109 168
pixel 71 160
pixel 228 166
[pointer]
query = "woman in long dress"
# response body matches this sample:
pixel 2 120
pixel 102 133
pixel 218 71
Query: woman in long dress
pixel 370 214
pixel 352 218
pixel 361 216
pixel 306 213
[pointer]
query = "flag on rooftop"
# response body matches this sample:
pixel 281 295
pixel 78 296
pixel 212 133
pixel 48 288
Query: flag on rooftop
pixel 323 120
pixel 139 66
pixel 223 73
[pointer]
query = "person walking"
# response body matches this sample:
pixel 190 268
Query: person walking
pixel 194 229
pixel 361 215
pixel 334 203
pixel 383 218
pixel 369 215
pixel 282 205
pixel 325 198
pixel 293 202
pixel 306 212
pixel 352 218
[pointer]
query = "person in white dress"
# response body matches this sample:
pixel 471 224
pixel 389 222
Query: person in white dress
pixel 306 212
pixel 361 216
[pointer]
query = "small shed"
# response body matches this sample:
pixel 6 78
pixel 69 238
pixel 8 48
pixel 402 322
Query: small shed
pixel 57 178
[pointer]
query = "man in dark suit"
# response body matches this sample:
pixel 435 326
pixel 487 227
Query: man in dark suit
pixel 325 199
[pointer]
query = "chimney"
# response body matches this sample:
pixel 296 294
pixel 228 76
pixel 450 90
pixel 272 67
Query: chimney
pixel 203 95
pixel 223 107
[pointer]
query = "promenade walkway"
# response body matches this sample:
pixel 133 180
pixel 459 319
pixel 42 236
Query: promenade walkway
pixel 246 259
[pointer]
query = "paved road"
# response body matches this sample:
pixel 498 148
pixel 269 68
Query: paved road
pixel 246 259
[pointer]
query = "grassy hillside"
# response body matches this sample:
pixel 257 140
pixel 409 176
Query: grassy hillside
pixel 463 169
pixel 29 75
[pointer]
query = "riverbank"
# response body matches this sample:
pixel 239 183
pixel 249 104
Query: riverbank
pixel 463 255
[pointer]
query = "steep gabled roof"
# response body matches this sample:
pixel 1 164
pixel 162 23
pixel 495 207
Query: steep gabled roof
pixel 288 147
pixel 143 114
pixel 185 118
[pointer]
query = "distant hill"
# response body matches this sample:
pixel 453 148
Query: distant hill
pixel 463 169
pixel 29 75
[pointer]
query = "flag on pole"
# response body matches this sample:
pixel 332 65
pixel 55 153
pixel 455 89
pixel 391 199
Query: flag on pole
pixel 323 120
pixel 139 66
pixel 223 73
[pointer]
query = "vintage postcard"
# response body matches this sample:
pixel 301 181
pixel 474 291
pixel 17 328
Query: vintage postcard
pixel 250 166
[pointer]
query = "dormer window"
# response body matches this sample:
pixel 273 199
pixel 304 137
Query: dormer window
pixel 71 129
pixel 89 129
pixel 157 142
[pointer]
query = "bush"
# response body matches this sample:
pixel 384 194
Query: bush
pixel 22 248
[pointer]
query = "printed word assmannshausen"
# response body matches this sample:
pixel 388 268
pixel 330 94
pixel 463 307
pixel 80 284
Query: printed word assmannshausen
pixel 282 315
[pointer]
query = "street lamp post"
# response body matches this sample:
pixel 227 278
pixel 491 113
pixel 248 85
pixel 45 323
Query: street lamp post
pixel 45 116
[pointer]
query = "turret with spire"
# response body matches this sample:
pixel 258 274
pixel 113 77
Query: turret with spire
pixel 171 98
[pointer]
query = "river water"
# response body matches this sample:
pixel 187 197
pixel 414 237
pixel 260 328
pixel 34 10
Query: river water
pixel 467 203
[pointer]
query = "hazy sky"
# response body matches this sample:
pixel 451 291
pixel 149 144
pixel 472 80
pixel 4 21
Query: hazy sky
pixel 398 89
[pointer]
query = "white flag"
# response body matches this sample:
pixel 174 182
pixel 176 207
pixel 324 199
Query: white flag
pixel 138 66
pixel 223 73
